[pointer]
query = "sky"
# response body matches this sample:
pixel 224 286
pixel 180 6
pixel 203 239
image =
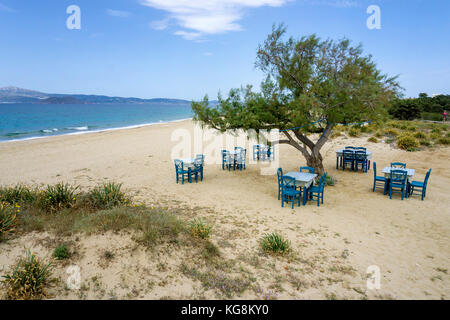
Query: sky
pixel 188 48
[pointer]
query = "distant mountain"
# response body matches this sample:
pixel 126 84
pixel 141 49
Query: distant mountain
pixel 19 95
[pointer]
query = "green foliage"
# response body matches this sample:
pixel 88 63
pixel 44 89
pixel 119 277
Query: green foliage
pixel 200 229
pixel 28 279
pixel 372 139
pixel 354 132
pixel 444 141
pixel 107 196
pixel 431 116
pixel 275 243
pixel 61 252
pixel 405 109
pixel 17 194
pixel 392 132
pixel 408 143
pixel 8 217
pixel 58 197
pixel 379 134
pixel 330 181
pixel 420 135
pixel 425 142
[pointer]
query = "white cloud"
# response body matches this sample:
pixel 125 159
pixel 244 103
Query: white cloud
pixel 160 24
pixel 188 35
pixel 207 16
pixel 118 13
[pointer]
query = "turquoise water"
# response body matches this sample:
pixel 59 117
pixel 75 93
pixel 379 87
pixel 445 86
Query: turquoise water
pixel 25 121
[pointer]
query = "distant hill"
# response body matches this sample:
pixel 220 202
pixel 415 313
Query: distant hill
pixel 20 95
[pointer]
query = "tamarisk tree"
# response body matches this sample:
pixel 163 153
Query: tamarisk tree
pixel 311 86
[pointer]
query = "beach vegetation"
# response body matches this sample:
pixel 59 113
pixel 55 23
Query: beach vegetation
pixel 8 218
pixel 28 279
pixel 57 197
pixel 373 139
pixel 61 252
pixel 107 196
pixel 200 229
pixel 274 243
pixel 408 143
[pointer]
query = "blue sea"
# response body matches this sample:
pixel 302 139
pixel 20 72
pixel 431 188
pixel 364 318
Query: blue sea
pixel 28 121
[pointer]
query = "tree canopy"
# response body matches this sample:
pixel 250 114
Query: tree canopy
pixel 307 80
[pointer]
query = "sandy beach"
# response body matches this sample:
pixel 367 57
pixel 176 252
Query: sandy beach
pixel 333 245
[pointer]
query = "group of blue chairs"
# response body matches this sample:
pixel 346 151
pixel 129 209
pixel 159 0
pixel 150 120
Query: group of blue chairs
pixel 235 161
pixel 355 157
pixel 190 171
pixel 263 153
pixel 289 191
pixel 398 182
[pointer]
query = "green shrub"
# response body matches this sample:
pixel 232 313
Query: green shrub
pixel 444 141
pixel 425 142
pixel 330 181
pixel 432 116
pixel 407 143
pixel 379 134
pixel 275 243
pixel 61 252
pixel 394 124
pixel 437 129
pixel 420 135
pixel 107 196
pixel 336 134
pixel 411 128
pixel 8 217
pixel 28 279
pixel 200 229
pixel 391 132
pixel 372 139
pixel 17 194
pixel 435 135
pixel 354 132
pixel 58 197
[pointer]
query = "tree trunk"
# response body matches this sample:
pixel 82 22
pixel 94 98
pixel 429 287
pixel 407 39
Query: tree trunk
pixel 316 163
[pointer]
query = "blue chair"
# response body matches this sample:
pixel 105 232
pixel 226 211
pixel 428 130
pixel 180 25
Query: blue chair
pixel 398 165
pixel 349 147
pixel 288 191
pixel 316 192
pixel 280 183
pixel 227 161
pixel 180 170
pixel 240 158
pixel 361 159
pixel 307 169
pixel 378 181
pixel 422 186
pixel 397 182
pixel 348 157
pixel 256 151
pixel 198 169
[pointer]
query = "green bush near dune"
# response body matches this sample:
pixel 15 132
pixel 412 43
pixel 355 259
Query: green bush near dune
pixel 373 140
pixel 28 279
pixel 444 141
pixel 408 143
pixel 107 196
pixel 354 132
pixel 58 197
pixel 274 243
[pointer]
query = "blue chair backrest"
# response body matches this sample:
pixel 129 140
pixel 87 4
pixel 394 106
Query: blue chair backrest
pixel 374 169
pixel 361 148
pixel 348 154
pixel 178 165
pixel 307 169
pixel 349 147
pixel 360 155
pixel 323 178
pixel 288 183
pixel 279 174
pixel 398 176
pixel 198 163
pixel 426 178
pixel 398 165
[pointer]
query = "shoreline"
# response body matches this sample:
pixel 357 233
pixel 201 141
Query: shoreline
pixel 97 131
